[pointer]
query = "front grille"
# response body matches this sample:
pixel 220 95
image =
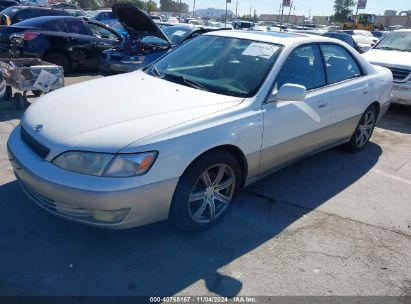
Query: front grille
pixel 33 144
pixel 399 75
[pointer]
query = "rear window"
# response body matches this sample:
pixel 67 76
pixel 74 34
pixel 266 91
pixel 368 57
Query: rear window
pixel 76 27
pixel 33 22
pixel 11 11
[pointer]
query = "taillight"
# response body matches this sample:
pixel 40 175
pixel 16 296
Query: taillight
pixel 30 36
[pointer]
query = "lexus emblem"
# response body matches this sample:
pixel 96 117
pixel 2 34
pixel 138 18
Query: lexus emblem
pixel 38 128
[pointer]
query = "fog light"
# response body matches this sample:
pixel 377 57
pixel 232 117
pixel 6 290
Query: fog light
pixel 110 215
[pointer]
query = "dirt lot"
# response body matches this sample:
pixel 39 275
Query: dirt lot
pixel 334 224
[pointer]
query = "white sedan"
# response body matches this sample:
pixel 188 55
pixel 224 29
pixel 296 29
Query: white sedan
pixel 179 138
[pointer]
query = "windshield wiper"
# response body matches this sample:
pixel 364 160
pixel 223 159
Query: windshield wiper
pixel 184 80
pixel 154 71
pixel 389 48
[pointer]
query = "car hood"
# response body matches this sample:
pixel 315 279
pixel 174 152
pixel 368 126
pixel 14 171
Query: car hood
pixel 110 113
pixel 389 58
pixel 136 22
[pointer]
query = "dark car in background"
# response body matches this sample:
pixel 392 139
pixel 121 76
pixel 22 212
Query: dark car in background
pixel 63 5
pixel 336 35
pixel 7 3
pixel 14 14
pixel 147 39
pixel 379 34
pixel 71 42
pixel 344 37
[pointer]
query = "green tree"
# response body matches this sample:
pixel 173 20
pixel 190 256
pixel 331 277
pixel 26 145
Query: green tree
pixel 343 8
pixel 151 6
pixel 173 6
pixel 89 4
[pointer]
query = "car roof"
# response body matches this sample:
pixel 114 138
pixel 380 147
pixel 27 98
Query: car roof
pixel 284 38
pixel 36 7
pixel 47 18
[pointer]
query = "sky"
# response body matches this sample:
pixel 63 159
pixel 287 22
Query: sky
pixel 302 7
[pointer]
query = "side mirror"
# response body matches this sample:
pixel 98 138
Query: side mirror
pixel 289 92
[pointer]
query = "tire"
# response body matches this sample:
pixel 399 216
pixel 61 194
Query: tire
pixel 8 94
pixel 58 58
pixel 37 93
pixel 208 205
pixel 19 101
pixel 364 130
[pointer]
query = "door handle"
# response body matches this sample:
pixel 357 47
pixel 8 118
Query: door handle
pixel 323 105
pixel 365 92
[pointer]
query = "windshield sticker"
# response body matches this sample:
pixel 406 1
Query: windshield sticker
pixel 257 49
pixel 178 33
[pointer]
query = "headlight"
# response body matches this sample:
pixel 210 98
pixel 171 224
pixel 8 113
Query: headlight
pixel 105 164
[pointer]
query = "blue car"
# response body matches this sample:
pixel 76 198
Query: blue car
pixel 107 17
pixel 146 40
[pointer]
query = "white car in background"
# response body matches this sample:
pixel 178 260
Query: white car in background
pixel 179 138
pixel 394 53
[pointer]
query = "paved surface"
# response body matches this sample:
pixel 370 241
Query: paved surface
pixel 334 224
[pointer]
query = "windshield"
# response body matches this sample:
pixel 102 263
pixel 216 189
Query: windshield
pixel 229 66
pixel 398 41
pixel 176 34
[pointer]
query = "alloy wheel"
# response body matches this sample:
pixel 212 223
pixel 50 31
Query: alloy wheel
pixel 365 128
pixel 212 193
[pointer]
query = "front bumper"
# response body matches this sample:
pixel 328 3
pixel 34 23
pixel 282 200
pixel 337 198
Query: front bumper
pixel 114 63
pixel 88 199
pixel 401 93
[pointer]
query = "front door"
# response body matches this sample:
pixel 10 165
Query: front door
pixel 296 128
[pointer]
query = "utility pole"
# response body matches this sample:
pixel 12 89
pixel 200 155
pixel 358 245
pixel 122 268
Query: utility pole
pixel 289 13
pixel 179 11
pixel 250 12
pixel 282 13
pixel 225 16
pixel 194 8
pixel 236 8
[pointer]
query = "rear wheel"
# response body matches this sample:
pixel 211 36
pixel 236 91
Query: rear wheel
pixel 37 93
pixel 206 191
pixel 364 130
pixel 20 101
pixel 8 93
pixel 58 58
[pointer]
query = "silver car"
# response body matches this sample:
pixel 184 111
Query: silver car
pixel 179 139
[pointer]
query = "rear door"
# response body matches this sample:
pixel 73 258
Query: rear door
pixel 296 128
pixel 350 90
pixel 80 43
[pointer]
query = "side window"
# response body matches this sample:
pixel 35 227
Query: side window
pixel 304 66
pixel 44 12
pixel 54 25
pixel 101 32
pixel 58 13
pixel 76 27
pixel 340 65
pixel 348 39
pixel 26 14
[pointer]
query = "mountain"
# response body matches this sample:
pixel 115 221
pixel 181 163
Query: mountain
pixel 213 12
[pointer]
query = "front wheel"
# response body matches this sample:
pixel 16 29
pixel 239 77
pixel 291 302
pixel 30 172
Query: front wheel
pixel 206 191
pixel 59 58
pixel 364 130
